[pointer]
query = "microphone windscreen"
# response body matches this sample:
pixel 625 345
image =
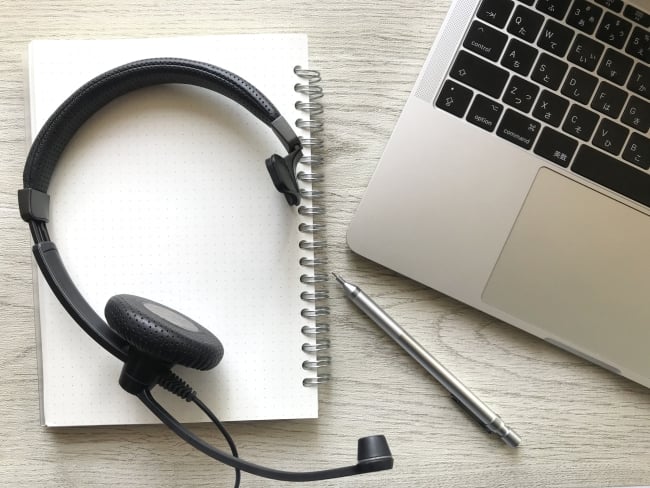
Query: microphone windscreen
pixel 374 454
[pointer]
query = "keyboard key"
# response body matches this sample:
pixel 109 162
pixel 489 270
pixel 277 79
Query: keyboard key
pixel 518 129
pixel 556 147
pixel 613 30
pixel 579 85
pixel 637 151
pixel 454 98
pixel 485 40
pixel 525 23
pixel 479 74
pixel 610 136
pixel 484 113
pixel 584 16
pixel 519 57
pixel 637 15
pixel 554 8
pixel 637 114
pixel 528 2
pixel 520 94
pixel 549 71
pixel 615 5
pixel 639 44
pixel 613 174
pixel 550 108
pixel 555 38
pixel 495 12
pixel 585 52
pixel 580 122
pixel 615 67
pixel 640 80
pixel 609 100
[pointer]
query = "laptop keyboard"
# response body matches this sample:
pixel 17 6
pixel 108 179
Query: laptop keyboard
pixel 566 79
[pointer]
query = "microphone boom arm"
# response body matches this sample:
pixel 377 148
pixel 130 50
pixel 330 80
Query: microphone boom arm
pixel 373 452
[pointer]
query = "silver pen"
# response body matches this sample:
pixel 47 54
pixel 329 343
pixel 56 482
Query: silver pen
pixel 459 392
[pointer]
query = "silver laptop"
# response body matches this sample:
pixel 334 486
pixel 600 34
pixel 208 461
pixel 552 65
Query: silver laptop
pixel 517 178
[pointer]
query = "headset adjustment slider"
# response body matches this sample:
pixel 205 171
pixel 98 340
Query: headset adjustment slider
pixel 283 174
pixel 34 205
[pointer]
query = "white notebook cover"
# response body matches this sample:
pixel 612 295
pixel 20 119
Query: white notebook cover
pixel 165 195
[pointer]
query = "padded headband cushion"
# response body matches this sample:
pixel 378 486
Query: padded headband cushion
pixel 162 333
pixel 83 103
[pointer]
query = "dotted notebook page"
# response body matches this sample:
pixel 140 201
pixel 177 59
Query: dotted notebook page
pixel 165 194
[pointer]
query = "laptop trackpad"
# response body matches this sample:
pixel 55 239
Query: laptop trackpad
pixel 576 266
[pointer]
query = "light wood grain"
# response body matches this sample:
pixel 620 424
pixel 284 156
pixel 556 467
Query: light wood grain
pixel 581 426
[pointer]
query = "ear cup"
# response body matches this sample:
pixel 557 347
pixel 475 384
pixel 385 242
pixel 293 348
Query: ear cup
pixel 162 333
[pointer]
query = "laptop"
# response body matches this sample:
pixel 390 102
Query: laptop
pixel 517 177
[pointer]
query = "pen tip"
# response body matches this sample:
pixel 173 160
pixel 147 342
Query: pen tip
pixel 338 278
pixel 511 438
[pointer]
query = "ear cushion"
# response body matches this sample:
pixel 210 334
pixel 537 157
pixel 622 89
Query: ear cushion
pixel 162 333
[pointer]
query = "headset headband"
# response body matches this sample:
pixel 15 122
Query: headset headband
pixel 59 129
pixel 83 103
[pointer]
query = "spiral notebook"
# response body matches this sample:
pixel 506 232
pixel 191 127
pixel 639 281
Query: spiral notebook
pixel 165 194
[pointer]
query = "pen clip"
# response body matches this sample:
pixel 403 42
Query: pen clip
pixel 472 415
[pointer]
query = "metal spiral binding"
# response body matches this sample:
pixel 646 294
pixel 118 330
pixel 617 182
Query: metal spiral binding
pixel 316 329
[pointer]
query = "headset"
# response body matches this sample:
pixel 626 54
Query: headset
pixel 148 337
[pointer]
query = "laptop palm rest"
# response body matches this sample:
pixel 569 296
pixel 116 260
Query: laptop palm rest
pixel 600 309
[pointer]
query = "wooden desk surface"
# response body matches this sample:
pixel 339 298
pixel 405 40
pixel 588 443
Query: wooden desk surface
pixel 581 426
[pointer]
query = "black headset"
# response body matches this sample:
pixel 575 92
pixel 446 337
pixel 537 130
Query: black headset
pixel 147 336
